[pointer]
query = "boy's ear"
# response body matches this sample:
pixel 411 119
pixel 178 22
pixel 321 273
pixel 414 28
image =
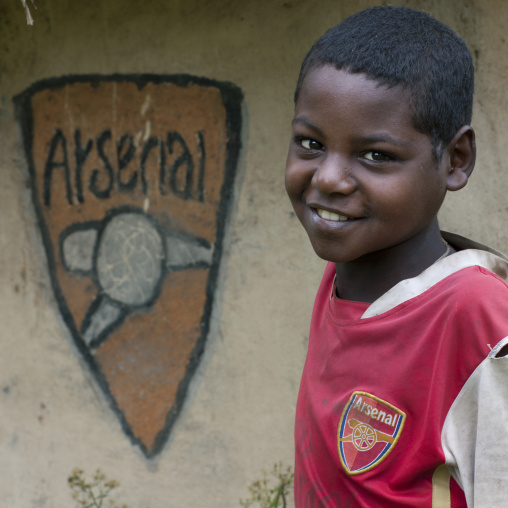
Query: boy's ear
pixel 461 154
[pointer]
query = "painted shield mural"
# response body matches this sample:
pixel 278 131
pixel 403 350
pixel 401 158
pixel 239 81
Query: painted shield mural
pixel 368 430
pixel 132 180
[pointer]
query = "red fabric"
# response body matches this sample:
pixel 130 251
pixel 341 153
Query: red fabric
pixel 412 360
pixel 458 500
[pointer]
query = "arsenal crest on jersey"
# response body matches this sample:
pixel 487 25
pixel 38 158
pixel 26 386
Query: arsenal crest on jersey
pixel 368 430
pixel 132 179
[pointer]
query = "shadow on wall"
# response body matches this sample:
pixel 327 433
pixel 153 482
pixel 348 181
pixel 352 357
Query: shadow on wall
pixel 132 180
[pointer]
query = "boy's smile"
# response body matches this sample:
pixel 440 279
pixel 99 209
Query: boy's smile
pixel 360 177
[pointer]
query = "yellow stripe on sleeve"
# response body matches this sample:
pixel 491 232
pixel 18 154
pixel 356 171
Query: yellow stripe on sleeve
pixel 441 487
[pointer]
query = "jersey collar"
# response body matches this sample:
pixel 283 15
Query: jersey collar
pixel 469 253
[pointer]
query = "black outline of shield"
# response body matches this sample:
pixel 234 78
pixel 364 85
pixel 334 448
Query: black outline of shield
pixel 232 98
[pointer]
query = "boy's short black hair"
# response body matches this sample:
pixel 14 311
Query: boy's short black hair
pixel 397 46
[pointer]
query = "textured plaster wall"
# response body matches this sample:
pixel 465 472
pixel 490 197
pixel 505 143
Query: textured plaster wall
pixel 238 415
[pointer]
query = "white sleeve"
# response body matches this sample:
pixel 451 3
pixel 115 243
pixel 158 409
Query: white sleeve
pixel 475 434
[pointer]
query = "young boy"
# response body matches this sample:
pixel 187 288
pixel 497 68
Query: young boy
pixel 404 395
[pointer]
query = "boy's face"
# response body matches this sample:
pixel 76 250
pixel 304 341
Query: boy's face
pixel 360 177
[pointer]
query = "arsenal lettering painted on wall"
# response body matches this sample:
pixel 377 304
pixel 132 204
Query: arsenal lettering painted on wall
pixel 132 181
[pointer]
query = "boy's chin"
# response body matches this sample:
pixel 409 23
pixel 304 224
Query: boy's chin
pixel 333 255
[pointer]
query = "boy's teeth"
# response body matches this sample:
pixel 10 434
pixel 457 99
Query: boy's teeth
pixel 325 214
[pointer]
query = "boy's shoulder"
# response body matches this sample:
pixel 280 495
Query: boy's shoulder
pixel 472 281
pixel 475 274
pixel 477 268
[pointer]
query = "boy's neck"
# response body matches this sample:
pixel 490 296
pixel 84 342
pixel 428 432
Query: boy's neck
pixel 369 277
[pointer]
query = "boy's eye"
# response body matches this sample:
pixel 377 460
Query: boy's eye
pixel 310 144
pixel 376 156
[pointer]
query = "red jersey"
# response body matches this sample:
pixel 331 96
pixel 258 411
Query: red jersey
pixel 403 402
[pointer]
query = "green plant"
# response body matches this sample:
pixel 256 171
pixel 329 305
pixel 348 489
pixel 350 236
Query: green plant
pixel 92 493
pixel 265 493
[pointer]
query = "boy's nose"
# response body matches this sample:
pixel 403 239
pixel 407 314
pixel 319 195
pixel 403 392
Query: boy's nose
pixel 334 175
